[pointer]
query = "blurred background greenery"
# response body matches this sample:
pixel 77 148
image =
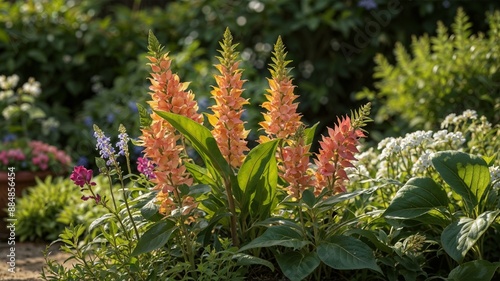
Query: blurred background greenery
pixel 89 56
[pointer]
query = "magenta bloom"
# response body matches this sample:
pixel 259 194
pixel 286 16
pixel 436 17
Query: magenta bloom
pixel 97 198
pixel 146 167
pixel 81 176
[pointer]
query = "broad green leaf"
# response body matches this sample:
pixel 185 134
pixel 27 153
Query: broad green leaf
pixel 466 174
pixel 258 177
pixel 199 189
pixel 372 237
pixel 434 217
pixel 460 236
pixel 245 260
pixel 200 174
pixel 341 197
pixel 297 266
pixel 155 237
pixel 278 236
pixel 478 270
pixel 346 253
pixel 150 210
pixel 417 197
pixel 99 221
pixel 201 139
pixel 308 198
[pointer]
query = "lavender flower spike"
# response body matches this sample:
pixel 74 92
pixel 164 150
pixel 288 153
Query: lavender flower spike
pixel 123 143
pixel 104 146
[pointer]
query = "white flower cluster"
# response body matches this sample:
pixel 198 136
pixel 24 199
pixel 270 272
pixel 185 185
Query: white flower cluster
pixel 20 100
pixel 409 155
pixel 453 119
pixel 8 82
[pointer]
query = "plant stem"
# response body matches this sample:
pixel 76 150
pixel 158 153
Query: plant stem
pixel 232 209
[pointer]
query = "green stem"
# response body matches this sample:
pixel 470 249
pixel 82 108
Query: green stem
pixel 125 200
pixel 232 209
pixel 188 251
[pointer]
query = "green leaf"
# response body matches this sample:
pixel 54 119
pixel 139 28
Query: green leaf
pixel 308 198
pixel 466 174
pixel 37 55
pixel 257 179
pixel 154 45
pixel 417 197
pixel 346 253
pixel 297 266
pixel 150 210
pixel 278 236
pixel 200 174
pixel 478 270
pixel 246 260
pixel 99 221
pixel 460 236
pixel 309 133
pixel 341 197
pixel 201 139
pixel 144 117
pixel 155 237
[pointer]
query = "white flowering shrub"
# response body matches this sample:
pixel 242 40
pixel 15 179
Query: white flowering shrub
pixel 397 159
pixel 22 116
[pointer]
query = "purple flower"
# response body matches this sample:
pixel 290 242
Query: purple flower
pixel 367 4
pixel 123 143
pixel 81 176
pixel 104 146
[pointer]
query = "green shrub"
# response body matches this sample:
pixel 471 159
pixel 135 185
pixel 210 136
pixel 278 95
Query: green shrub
pixel 446 73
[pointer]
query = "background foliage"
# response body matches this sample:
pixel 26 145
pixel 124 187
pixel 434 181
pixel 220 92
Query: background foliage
pixel 88 55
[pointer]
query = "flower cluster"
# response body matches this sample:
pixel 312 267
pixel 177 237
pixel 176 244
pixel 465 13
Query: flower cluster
pixel 83 178
pixel 146 167
pixel 229 130
pixel 403 157
pixel 336 153
pixel 33 156
pixel 282 121
pixel 162 144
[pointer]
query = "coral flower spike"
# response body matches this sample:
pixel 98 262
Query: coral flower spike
pixel 160 140
pixel 228 128
pixel 281 120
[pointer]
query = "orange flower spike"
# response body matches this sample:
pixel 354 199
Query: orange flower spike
pixel 281 119
pixel 160 140
pixel 228 128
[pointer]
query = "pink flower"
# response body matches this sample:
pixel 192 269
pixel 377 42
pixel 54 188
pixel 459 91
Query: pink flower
pixel 146 167
pixel 336 153
pixel 82 176
pixel 97 198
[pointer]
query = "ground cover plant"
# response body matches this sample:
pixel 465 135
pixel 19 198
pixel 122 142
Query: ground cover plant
pixel 275 208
